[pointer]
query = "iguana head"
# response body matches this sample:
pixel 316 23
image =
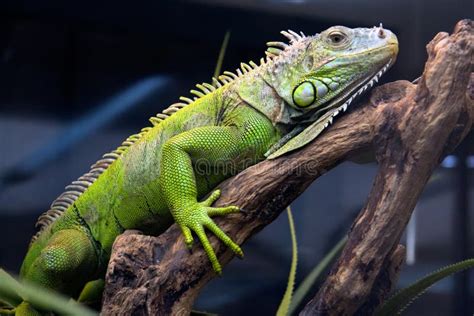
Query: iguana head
pixel 319 76
pixel 327 68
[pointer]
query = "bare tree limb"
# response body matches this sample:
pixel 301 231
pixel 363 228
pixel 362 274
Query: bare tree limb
pixel 411 127
pixel 385 281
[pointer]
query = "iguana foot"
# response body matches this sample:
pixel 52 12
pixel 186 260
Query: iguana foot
pixel 197 216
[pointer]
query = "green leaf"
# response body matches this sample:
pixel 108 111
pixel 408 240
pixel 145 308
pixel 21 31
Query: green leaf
pixel 400 301
pixel 314 275
pixel 220 59
pixel 10 298
pixel 40 297
pixel 286 301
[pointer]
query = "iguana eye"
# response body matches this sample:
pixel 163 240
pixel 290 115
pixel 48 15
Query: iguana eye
pixel 337 38
pixel 304 94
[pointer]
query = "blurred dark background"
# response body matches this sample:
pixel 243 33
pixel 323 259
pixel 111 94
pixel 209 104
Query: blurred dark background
pixel 77 77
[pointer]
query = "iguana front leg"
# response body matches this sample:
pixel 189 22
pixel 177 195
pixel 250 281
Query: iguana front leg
pixel 211 145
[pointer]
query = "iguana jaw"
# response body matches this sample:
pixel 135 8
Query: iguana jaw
pixel 323 120
pixel 342 102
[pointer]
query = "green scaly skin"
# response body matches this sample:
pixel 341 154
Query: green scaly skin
pixel 162 174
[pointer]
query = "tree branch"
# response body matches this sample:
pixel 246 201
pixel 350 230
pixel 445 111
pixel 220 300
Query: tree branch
pixel 413 135
pixel 411 127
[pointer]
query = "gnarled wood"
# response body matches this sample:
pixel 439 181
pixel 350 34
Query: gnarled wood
pixel 413 134
pixel 411 127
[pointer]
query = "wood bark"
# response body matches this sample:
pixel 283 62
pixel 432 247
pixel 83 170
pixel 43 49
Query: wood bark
pixel 411 127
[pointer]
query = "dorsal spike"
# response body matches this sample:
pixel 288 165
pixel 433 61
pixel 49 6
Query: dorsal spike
pixel 154 120
pixel 203 88
pixel 101 163
pixel 274 51
pixel 110 155
pixel 74 194
pixel 161 116
pixel 216 82
pixel 254 65
pixel 59 203
pixel 245 67
pixel 176 106
pixel 262 61
pixel 277 44
pixel 197 93
pixel 289 36
pixel 98 170
pixel 187 100
pixel 210 87
pixel 133 137
pixel 82 183
pixel 77 188
pixel 231 74
pixel 239 72
pixel 170 110
pixel 225 78
pixel 63 198
pixel 269 55
pixel 88 179
pixel 296 35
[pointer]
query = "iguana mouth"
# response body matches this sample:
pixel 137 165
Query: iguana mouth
pixel 331 111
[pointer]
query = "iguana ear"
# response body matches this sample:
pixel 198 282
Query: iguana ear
pixel 303 138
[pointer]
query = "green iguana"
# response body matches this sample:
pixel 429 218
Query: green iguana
pixel 161 174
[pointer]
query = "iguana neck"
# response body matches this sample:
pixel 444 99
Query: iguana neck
pixel 257 90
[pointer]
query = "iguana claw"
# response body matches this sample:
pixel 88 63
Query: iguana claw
pixel 197 217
